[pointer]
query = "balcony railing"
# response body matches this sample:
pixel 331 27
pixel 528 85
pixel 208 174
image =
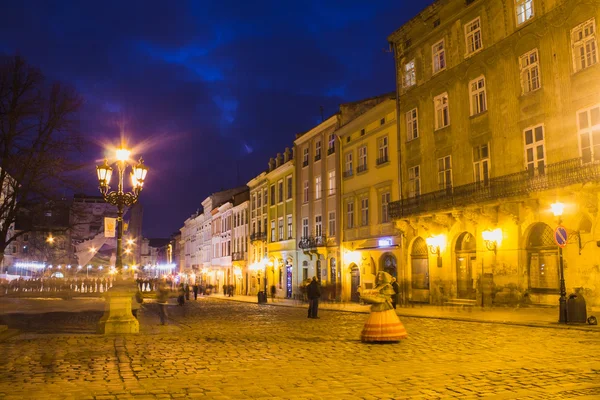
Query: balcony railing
pixel 522 183
pixel 312 242
pixel 348 174
pixel 317 157
pixel 258 237
pixel 305 163
pixel 361 168
pixel 382 160
pixel 238 256
pixel 331 150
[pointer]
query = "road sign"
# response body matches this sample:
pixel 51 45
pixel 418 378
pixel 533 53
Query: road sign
pixel 560 236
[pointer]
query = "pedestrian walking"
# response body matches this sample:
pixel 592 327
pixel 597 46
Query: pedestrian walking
pixel 195 290
pixel 162 298
pixel 181 295
pixel 313 292
pixel 187 292
pixel 396 288
pixel 383 324
pixel 273 292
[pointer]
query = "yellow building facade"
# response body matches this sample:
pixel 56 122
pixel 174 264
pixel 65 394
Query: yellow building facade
pixel 369 165
pixel 499 121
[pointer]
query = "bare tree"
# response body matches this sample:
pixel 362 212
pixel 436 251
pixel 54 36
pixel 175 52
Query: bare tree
pixel 37 143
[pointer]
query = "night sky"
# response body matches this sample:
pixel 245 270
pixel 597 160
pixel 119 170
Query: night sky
pixel 207 90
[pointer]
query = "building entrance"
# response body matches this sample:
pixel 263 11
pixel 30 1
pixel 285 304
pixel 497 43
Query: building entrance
pixel 466 256
pixel 354 283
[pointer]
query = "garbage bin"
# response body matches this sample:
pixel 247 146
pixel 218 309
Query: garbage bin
pixel 576 309
pixel 262 297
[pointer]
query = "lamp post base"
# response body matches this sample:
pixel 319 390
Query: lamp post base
pixel 562 311
pixel 118 318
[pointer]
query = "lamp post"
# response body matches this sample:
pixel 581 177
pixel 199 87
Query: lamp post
pixel 118 317
pixel 557 210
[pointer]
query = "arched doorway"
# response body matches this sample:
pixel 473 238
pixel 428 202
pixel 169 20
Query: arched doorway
pixel 466 255
pixel 388 264
pixel 354 283
pixel 419 263
pixel 542 259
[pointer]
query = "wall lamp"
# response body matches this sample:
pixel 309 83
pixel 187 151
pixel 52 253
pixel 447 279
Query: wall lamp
pixel 436 245
pixel 492 239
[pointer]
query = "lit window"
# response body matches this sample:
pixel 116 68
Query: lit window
pixel 409 74
pixel 439 56
pixel 481 164
pixel 535 152
pixel 414 181
pixel 385 207
pixel 530 71
pixel 445 172
pixel 331 181
pixel 473 36
pixel 442 112
pixel 412 124
pixel 588 126
pixel 364 211
pixel 317 187
pixel 583 42
pixel 524 10
pixel 477 95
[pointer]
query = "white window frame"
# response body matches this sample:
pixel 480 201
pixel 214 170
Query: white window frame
pixel 481 164
pixel 386 198
pixel 414 181
pixel 588 130
pixel 318 149
pixel 306 190
pixel 478 95
pixel 529 66
pixel 473 37
pixel 524 11
pixel 584 46
pixel 412 124
pixel 318 226
pixel 305 230
pixel 362 157
pixel 409 74
pixel 364 211
pixel 280 191
pixel 273 230
pixel 442 110
pixel 382 149
pixel 445 172
pixel 305 156
pixel 318 187
pixel 438 56
pixel 349 163
pixel 289 187
pixel 534 163
pixel 290 227
pixel 280 227
pixel 350 214
pixel 331 182
pixel 331 142
pixel 331 231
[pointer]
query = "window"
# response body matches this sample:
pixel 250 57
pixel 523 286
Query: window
pixel 265 198
pixel 364 211
pixel 349 165
pixel 414 181
pixel 535 153
pixel 258 203
pixel 272 230
pixel 362 159
pixel 317 187
pixel 439 56
pixel 382 121
pixel 445 172
pixel 305 157
pixel 530 71
pixel 290 231
pixel 382 149
pixel 272 195
pixel 385 207
pixel 473 36
pixel 318 226
pixel 410 77
pixel 583 42
pixel 280 226
pixel 442 113
pixel 524 10
pixel 350 214
pixel 478 98
pixel 332 223
pixel 481 164
pixel 588 126
pixel 280 190
pixel 331 182
pixel 306 191
pixel 305 227
pixel 289 187
pixel 331 144
pixel 318 150
pixel 412 124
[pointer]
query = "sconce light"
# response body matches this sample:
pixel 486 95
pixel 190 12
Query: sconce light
pixel 492 239
pixel 436 245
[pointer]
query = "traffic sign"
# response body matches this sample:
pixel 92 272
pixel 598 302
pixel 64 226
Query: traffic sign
pixel 560 236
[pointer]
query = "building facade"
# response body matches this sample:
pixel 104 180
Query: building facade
pixel 257 248
pixel 240 239
pixel 499 110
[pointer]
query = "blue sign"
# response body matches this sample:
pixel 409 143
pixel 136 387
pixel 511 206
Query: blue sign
pixel 560 236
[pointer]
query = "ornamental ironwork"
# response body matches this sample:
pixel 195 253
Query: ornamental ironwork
pixel 258 237
pixel 312 242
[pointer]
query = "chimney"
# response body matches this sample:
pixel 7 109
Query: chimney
pixel 287 155
pixel 271 164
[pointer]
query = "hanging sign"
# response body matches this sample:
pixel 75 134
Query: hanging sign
pixel 110 225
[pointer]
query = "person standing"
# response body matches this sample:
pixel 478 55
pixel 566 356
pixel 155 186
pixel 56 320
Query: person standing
pixel 195 289
pixel 396 288
pixel 162 298
pixel 313 292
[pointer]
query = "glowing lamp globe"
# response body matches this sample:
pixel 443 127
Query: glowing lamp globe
pixel 104 173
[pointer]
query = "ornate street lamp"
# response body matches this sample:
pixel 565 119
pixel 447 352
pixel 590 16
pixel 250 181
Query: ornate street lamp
pixel 558 209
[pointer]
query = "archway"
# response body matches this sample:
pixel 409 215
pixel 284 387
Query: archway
pixel 542 259
pixel 354 283
pixel 465 252
pixel 419 263
pixel 388 264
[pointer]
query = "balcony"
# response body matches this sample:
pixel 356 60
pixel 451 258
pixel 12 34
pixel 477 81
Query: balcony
pixel 361 168
pixel 305 163
pixel 312 242
pixel 238 256
pixel 258 237
pixel 330 150
pixel 383 160
pixel 549 177
pixel 348 174
pixel 317 157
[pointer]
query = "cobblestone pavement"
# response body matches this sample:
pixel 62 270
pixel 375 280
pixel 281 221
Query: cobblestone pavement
pixel 228 350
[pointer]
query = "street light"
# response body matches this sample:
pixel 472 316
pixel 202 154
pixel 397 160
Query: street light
pixel 558 209
pixel 492 239
pixel 436 245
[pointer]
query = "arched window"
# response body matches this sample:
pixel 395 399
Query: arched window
pixel 387 263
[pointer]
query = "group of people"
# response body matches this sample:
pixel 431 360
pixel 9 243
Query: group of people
pixel 86 285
